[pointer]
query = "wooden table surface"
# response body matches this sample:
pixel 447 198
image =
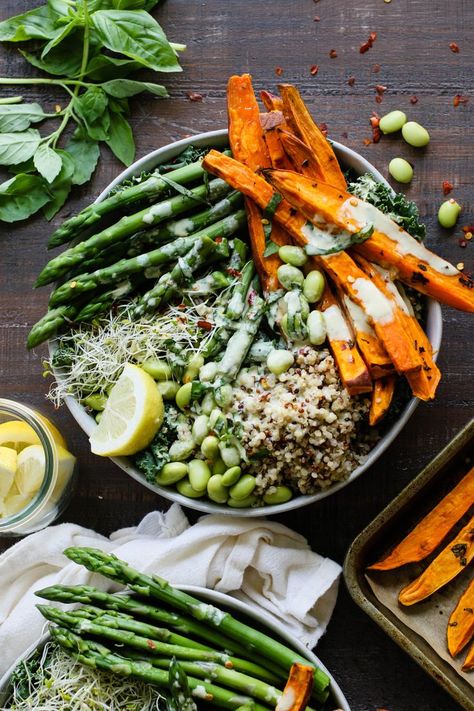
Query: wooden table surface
pixel 411 57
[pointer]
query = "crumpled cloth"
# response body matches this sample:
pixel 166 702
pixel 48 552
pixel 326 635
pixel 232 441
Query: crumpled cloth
pixel 261 562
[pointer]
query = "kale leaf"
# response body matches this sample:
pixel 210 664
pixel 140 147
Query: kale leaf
pixel 151 460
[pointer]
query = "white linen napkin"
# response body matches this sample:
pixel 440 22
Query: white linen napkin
pixel 261 562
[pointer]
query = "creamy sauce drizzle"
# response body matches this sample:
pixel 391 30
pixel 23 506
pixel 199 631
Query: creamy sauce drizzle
pixel 358 317
pixel 376 305
pixel 336 326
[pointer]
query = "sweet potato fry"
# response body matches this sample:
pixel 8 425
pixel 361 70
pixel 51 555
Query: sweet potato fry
pixel 298 688
pixel 270 122
pixel 272 102
pixel 352 369
pixel 445 567
pixel 381 398
pixel 301 156
pixel 461 622
pixel 469 661
pixel 428 534
pixel 299 116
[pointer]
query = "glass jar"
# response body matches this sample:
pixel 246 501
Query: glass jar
pixel 36 470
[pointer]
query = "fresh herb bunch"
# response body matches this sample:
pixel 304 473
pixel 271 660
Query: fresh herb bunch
pixel 91 47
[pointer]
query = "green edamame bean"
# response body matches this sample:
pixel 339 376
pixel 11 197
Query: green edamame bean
pixel 98 417
pixel 313 286
pixel 219 467
pixel 279 361
pixel 168 389
pixel 401 170
pixel 208 372
pixel 183 396
pixel 290 277
pixel 415 135
pixel 181 449
pixel 280 495
pixel 157 368
pixel 96 401
pixel 392 121
pixel 208 403
pixel 284 326
pixel 185 489
pixel 200 428
pixel 296 256
pixel 216 490
pixel 295 301
pixel 192 368
pixel 230 455
pixel 224 395
pixel 316 328
pixel 199 474
pixel 171 473
pixel 448 213
pixel 210 447
pixel 242 503
pixel 231 476
pixel 244 487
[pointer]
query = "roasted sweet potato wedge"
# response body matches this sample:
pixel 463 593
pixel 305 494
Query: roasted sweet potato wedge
pixel 298 688
pixel 382 396
pixel 461 622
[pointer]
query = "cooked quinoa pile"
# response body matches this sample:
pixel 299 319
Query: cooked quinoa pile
pixel 301 427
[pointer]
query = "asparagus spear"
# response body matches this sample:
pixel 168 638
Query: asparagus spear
pixel 153 586
pixel 100 657
pixel 179 687
pixel 237 302
pixel 215 281
pixel 51 322
pixel 239 255
pixel 127 226
pixel 103 302
pixel 295 323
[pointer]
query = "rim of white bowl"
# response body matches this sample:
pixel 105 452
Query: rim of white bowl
pixel 434 328
pixel 234 604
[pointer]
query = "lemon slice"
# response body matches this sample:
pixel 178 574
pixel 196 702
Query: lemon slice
pixel 132 416
pixel 8 459
pixel 66 464
pixel 14 503
pixel 17 434
pixel 30 470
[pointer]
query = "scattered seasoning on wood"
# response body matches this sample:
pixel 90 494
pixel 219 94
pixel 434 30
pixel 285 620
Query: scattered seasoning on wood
pixel 454 47
pixel 316 18
pixel 374 122
pixel 367 141
pixel 376 68
pixel 462 242
pixel 278 71
pixel 344 134
pixel 378 99
pixel 460 99
pixel 468 228
pixel 447 187
pixel 194 96
pixel 314 70
pixel 333 54
pixel 413 99
pixel 367 45
pixel 323 127
pixel 380 88
pixel 351 81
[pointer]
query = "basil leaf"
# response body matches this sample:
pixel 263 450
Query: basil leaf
pixel 271 248
pixel 341 242
pixel 18 147
pixel 63 60
pixel 60 6
pixel 120 140
pixel 35 24
pixel 21 197
pixel 48 162
pixel 129 87
pixel 61 186
pixel 59 36
pixel 85 153
pixel 138 36
pixel 18 117
pixel 92 108
pixel 102 67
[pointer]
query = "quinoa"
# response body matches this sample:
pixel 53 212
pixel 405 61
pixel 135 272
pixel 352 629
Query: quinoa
pixel 300 428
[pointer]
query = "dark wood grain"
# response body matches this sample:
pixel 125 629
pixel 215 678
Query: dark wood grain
pixel 412 51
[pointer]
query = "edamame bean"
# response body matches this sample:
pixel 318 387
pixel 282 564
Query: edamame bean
pixel 401 170
pixel 229 454
pixel 199 474
pixel 295 301
pixel 224 395
pixel 171 473
pixel 448 213
pixel 216 490
pixel 168 389
pixel 392 121
pixel 181 449
pixel 157 368
pixel 313 286
pixel 296 256
pixel 200 428
pixel 208 372
pixel 244 487
pixel 316 328
pixel 242 503
pixel 280 495
pixel 183 396
pixel 279 361
pixel 98 417
pixel 192 368
pixel 214 416
pixel 219 467
pixel 231 476
pixel 210 447
pixel 415 135
pixel 208 403
pixel 185 489
pixel 290 277
pixel 96 401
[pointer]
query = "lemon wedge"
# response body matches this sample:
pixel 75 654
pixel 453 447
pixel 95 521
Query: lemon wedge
pixel 14 503
pixel 31 466
pixel 66 464
pixel 8 461
pixel 132 416
pixel 17 434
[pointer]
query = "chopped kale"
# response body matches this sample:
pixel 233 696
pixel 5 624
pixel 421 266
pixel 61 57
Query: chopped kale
pixel 27 675
pixel 150 461
pixel 63 357
pixel 190 155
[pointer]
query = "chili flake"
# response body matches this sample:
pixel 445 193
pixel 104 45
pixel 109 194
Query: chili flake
pixel 460 99
pixel 323 127
pixel 447 187
pixel 413 99
pixel 454 47
pixel 378 99
pixel 194 96
pixel 462 243
pixel 351 81
pixel 314 69
pixel 380 88
pixel 278 71
pixel 333 53
pixel 468 228
pixel 205 325
pixel 367 45
pixel 376 68
pixel 316 18
pixel 367 141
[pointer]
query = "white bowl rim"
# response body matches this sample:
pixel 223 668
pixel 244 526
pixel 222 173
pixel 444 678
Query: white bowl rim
pixel 217 597
pixel 434 317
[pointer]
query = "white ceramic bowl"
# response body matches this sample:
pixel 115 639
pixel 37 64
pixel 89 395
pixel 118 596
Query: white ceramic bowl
pixel 238 608
pixel 349 159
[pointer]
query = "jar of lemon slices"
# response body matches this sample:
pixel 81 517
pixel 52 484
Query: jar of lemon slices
pixel 36 470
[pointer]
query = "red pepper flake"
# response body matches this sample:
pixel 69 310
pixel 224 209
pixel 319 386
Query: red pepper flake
pixel 374 122
pixel 351 81
pixel 460 99
pixel 367 141
pixel 233 272
pixel 205 325
pixel 314 70
pixel 323 127
pixel 367 45
pixel 278 71
pixel 316 18
pixel 150 644
pixel 413 99
pixel 462 243
pixel 344 134
pixel 468 228
pixel 376 68
pixel 372 37
pixel 454 47
pixel 380 88
pixel 181 307
pixel 333 54
pixel 194 96
pixel 378 99
pixel 447 187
